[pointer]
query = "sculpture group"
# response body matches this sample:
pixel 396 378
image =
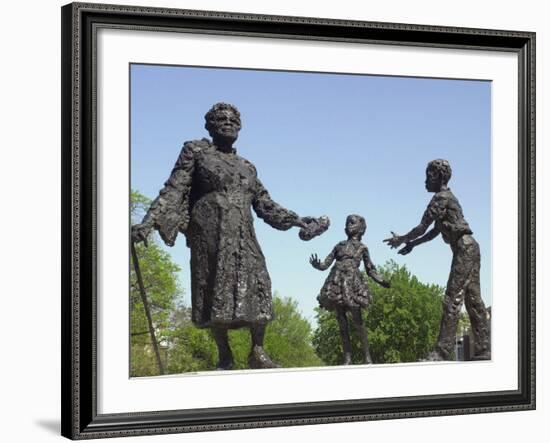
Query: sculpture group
pixel 208 198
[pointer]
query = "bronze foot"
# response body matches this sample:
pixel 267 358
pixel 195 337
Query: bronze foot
pixel 258 359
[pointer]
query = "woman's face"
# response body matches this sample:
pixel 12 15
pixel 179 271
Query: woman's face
pixel 225 126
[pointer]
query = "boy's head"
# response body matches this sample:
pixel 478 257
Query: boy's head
pixel 438 174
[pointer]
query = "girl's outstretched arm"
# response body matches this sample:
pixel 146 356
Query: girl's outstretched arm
pixel 322 265
pixel 371 269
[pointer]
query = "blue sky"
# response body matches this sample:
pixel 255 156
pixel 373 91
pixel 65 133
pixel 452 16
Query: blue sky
pixel 331 144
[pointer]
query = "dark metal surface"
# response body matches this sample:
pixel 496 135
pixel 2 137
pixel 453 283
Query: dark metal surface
pixel 445 213
pixel 345 289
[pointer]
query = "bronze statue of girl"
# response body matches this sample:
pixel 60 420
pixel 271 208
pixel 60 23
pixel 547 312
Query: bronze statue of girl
pixel 346 289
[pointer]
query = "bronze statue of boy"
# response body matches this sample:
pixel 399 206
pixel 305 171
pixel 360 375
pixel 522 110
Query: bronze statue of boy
pixel 445 212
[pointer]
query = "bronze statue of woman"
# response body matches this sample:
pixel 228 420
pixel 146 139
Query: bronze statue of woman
pixel 208 198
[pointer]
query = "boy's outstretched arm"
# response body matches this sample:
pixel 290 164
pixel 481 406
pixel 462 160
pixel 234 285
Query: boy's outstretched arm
pixel 430 235
pixel 427 219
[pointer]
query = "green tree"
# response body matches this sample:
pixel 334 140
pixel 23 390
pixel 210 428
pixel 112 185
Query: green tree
pixel 402 321
pixel 159 275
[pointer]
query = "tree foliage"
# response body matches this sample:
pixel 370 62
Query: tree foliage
pixel 402 321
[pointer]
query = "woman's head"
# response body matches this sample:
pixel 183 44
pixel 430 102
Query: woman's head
pixel 223 122
pixel 355 226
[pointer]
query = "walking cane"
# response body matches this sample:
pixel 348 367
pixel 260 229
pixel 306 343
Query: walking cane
pixel 146 306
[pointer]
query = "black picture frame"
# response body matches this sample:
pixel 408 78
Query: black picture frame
pixel 79 211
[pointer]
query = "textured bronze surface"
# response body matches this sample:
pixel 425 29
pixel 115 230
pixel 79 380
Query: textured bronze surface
pixel 463 286
pixel 345 289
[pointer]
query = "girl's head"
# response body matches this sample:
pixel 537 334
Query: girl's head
pixel 355 226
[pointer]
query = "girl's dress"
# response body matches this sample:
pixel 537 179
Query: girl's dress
pixel 346 287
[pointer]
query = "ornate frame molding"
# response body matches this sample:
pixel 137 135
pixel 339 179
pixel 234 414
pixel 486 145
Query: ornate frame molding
pixel 79 411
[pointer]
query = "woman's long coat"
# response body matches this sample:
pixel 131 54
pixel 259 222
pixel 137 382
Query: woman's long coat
pixel 209 197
